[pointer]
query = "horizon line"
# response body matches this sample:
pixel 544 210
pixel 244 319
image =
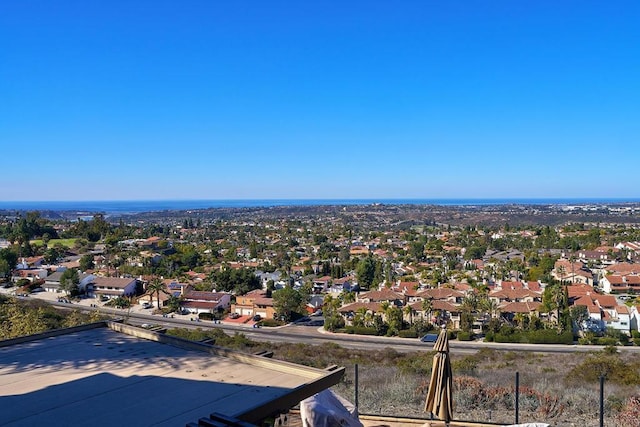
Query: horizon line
pixel 568 198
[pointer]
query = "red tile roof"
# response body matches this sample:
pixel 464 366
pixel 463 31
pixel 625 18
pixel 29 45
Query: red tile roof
pixel 520 307
pixel 353 307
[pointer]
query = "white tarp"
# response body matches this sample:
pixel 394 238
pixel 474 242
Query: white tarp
pixel 327 409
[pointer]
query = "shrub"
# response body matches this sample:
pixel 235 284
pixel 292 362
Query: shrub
pixel 611 366
pixel 205 316
pixel 333 323
pixel 542 336
pixel 408 333
pixel 464 336
pixel 419 363
pixel 606 341
pixel 510 337
pixel 549 336
pixel 466 365
pixel 489 336
pixel 271 323
pixel 361 330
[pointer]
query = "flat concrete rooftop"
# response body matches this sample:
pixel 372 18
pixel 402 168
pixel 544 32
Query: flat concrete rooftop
pixel 122 375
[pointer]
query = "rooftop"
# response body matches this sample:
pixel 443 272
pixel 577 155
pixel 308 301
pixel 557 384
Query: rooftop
pixel 95 374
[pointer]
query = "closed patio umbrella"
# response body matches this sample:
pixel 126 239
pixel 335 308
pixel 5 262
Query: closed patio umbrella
pixel 439 396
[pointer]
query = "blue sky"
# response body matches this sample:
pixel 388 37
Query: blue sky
pixel 331 99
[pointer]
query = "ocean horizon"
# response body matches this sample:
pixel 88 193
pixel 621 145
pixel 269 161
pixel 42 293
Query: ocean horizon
pixel 138 206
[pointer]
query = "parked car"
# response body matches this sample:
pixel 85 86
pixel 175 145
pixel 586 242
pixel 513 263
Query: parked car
pixel 257 318
pixel 234 315
pixel 431 338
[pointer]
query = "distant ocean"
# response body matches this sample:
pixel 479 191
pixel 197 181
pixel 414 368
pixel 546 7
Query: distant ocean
pixel 115 207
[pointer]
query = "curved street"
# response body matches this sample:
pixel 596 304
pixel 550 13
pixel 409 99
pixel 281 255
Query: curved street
pixel 293 333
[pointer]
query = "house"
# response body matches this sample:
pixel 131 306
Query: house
pixel 510 309
pixel 620 283
pixel 112 287
pixel 321 284
pixel 572 272
pixel 383 295
pixel 443 294
pixel 205 302
pixel 632 247
pixel 254 303
pixel 32 262
pixel 344 284
pixel 265 277
pixel 601 256
pixel 624 268
pixel 406 288
pixel 440 312
pixel 635 318
pixel 52 282
pixel 604 312
pixel 31 274
pixel 349 311
pixel 359 251
pixel 502 296
pixel 172 289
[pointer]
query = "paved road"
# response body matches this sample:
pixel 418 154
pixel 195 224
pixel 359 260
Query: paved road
pixel 316 336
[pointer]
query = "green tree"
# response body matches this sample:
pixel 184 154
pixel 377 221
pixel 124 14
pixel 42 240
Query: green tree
pixel 69 281
pixel 52 255
pixel 365 272
pixel 239 281
pixel 173 303
pixel 287 301
pixel 86 262
pixel 18 321
pixel 579 314
pixel 5 268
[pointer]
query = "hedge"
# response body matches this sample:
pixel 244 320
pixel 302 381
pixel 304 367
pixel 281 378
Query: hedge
pixel 407 333
pixel 270 323
pixel 205 316
pixel 465 336
pixel 542 336
pixel 361 330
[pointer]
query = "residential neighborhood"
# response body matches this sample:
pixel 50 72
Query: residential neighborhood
pixel 368 276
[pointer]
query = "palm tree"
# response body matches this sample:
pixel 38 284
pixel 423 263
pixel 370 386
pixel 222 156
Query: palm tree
pixel 489 306
pixel 155 286
pixel 427 307
pixel 470 302
pixel 360 316
pixel 330 305
pixel 519 319
pixel 408 310
pixel 348 297
pixel 367 318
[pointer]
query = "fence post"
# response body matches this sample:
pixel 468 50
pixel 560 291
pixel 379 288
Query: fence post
pixel 356 386
pixel 517 397
pixel 601 400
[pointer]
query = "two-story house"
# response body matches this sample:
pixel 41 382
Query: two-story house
pixel 112 287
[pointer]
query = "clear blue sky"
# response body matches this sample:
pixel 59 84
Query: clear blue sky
pixel 319 99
